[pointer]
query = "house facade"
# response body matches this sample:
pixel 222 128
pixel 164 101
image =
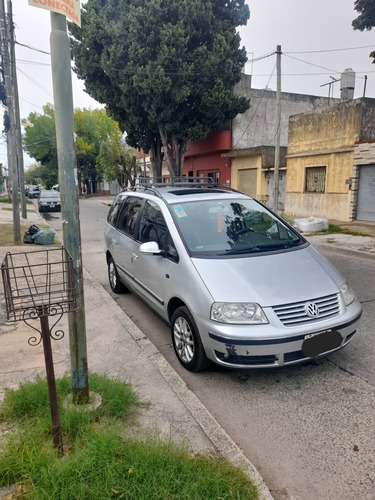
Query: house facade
pixel 254 138
pixel 331 162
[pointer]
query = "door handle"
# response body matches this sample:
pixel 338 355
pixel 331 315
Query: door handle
pixel 134 256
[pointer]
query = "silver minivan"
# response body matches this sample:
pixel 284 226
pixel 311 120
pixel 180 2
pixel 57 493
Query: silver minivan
pixel 238 285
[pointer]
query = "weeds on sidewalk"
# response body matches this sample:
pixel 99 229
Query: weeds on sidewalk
pixel 100 460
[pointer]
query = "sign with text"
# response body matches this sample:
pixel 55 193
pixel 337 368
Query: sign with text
pixel 68 8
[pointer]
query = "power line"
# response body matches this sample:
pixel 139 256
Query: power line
pixel 33 48
pixel 36 83
pixel 331 50
pixel 311 64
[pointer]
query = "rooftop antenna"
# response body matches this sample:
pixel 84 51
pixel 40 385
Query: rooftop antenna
pixel 330 86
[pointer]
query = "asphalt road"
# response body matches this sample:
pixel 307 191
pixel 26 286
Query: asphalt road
pixel 309 429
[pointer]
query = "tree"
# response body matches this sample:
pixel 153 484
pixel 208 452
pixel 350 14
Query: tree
pixel 40 143
pixel 118 161
pixel 366 18
pixel 164 69
pixel 92 127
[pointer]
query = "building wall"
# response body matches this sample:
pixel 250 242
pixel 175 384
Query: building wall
pixel 257 126
pixel 324 138
pixel 203 158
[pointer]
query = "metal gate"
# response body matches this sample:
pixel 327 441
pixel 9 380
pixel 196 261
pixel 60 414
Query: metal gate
pixel 366 193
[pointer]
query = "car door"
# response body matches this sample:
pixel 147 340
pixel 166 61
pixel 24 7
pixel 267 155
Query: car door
pixel 151 271
pixel 123 243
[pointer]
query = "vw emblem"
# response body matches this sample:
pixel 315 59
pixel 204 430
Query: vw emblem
pixel 311 309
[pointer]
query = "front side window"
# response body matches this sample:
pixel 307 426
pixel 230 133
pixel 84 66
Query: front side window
pixel 152 227
pixel 232 226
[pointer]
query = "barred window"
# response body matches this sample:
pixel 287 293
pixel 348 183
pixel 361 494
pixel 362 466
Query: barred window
pixel 315 180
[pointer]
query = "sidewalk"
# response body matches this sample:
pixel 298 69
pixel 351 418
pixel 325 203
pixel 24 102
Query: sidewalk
pixel 116 347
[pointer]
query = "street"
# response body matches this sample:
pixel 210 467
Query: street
pixel 309 429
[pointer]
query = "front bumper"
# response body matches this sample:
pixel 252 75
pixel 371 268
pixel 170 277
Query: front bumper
pixel 286 348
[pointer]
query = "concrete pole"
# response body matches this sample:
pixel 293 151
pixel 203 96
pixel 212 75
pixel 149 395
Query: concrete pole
pixel 278 125
pixel 11 133
pixel 68 180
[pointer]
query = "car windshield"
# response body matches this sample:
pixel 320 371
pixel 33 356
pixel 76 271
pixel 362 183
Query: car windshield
pixel 50 194
pixel 232 227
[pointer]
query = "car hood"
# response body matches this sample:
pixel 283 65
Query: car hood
pixel 291 276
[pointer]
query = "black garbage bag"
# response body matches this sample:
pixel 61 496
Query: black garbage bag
pixel 28 237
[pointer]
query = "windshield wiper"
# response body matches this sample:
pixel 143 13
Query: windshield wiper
pixel 234 251
pixel 261 248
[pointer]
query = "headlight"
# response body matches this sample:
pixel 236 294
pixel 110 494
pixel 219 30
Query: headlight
pixel 239 313
pixel 347 294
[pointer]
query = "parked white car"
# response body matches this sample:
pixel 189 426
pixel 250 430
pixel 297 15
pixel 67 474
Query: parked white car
pixel 237 284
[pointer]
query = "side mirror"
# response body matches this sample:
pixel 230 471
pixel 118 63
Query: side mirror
pixel 150 248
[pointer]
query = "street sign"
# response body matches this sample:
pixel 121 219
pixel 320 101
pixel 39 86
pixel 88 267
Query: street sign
pixel 68 8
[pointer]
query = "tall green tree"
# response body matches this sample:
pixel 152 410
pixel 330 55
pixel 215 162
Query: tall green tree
pixel 91 127
pixel 366 18
pixel 40 143
pixel 164 69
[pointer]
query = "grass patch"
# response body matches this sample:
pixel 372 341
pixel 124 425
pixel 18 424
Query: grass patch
pixel 7 237
pixel 99 461
pixel 9 209
pixel 333 229
pixel 7 200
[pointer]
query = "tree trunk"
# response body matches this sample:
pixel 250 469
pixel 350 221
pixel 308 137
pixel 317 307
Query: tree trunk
pixel 156 158
pixel 174 149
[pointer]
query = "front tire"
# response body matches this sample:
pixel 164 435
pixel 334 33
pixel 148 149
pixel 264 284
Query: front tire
pixel 114 279
pixel 187 342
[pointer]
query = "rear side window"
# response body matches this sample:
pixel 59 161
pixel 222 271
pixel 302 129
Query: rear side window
pixel 115 210
pixel 128 218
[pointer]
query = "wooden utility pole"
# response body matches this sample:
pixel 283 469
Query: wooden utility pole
pixel 278 131
pixel 11 128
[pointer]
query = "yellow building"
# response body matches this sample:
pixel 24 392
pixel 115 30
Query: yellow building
pixel 331 162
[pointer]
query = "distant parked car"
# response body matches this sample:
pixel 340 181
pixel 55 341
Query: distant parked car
pixel 33 191
pixel 49 201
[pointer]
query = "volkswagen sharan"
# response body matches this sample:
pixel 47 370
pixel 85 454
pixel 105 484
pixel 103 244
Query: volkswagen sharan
pixel 238 285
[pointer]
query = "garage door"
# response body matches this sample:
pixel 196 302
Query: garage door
pixel 247 181
pixel 366 193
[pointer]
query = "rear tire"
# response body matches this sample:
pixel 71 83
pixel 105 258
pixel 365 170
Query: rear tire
pixel 187 342
pixel 114 279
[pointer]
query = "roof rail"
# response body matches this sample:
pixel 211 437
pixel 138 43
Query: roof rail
pixel 175 181
pixel 152 184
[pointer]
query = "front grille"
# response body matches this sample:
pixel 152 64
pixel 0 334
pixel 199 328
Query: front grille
pixel 295 314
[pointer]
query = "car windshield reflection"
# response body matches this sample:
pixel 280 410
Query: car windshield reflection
pixel 230 227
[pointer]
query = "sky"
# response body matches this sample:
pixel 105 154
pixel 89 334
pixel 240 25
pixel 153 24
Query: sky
pixel 317 43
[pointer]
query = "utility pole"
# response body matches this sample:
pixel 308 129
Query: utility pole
pixel 278 131
pixel 20 166
pixel 68 180
pixel 11 132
